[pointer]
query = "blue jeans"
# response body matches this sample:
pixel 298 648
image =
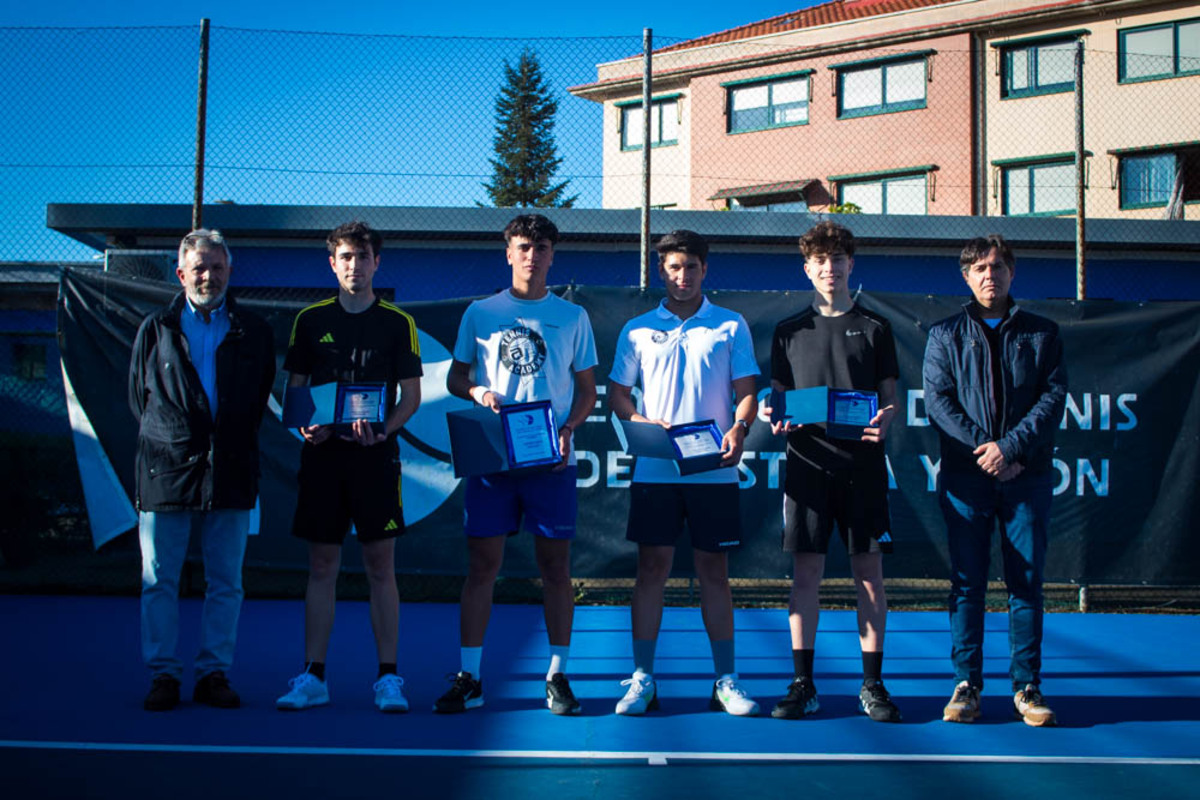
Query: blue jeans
pixel 164 538
pixel 972 504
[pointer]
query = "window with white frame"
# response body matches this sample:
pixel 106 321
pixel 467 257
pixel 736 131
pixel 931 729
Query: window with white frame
pixel 902 194
pixel 1155 179
pixel 1044 67
pixel 774 103
pixel 1045 188
pixel 664 123
pixel 1159 51
pixel 881 88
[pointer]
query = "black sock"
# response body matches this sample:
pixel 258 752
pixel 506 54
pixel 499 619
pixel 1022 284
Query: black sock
pixel 872 666
pixel 802 663
pixel 316 669
pixel 387 669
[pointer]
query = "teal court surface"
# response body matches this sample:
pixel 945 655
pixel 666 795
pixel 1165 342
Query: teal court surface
pixel 1126 689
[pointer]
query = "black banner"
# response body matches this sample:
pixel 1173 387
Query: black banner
pixel 1127 466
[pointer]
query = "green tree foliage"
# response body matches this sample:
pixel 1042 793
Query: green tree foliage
pixel 526 156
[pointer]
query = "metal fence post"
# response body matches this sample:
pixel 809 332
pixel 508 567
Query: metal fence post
pixel 647 46
pixel 201 117
pixel 1080 212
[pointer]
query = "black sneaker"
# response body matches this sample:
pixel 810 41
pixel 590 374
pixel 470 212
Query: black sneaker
pixel 801 701
pixel 876 703
pixel 214 690
pixel 559 697
pixel 163 695
pixel 465 693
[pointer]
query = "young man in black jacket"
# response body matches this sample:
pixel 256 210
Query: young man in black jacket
pixel 995 386
pixel 199 381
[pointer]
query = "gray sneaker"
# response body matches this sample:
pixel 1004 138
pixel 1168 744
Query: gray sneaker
pixel 963 705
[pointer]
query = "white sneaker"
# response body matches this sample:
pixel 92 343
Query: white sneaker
pixel 729 697
pixel 388 696
pixel 641 697
pixel 307 690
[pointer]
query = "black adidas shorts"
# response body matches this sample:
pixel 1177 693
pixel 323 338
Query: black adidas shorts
pixel 854 499
pixel 344 482
pixel 657 512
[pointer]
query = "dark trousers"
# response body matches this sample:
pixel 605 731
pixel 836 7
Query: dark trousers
pixel 973 504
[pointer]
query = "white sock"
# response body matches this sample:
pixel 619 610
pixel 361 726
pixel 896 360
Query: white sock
pixel 558 660
pixel 471 656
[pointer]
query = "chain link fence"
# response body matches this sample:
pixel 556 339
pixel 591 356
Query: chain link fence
pixel 951 126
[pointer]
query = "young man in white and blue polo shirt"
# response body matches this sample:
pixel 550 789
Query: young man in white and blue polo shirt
pixel 695 361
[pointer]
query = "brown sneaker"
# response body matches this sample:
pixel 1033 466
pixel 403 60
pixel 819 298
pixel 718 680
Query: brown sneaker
pixel 1029 705
pixel 963 705
pixel 214 690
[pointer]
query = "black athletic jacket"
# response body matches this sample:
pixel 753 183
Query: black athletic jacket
pixel 186 461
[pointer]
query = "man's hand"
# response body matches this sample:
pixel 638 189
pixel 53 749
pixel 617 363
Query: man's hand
pixel 315 434
pixel 362 432
pixel 990 459
pixel 486 398
pixel 877 430
pixel 731 445
pixel 564 447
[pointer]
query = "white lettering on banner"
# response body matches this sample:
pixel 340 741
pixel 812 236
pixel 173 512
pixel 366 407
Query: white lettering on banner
pixel 932 468
pixel 619 464
pixel 1085 474
pixel 1083 470
pixel 1081 412
pixel 764 402
pixel 773 460
pixel 593 476
pixel 1131 420
pixel 746 477
pixel 914 421
pixel 601 391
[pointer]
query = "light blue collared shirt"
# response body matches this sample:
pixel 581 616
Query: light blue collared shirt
pixel 203 339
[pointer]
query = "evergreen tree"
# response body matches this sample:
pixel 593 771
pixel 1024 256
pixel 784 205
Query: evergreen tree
pixel 526 156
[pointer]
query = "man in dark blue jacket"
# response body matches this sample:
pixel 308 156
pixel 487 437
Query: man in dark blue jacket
pixel 200 378
pixel 995 385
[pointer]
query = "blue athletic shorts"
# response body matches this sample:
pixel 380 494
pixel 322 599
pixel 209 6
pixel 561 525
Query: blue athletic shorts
pixel 496 505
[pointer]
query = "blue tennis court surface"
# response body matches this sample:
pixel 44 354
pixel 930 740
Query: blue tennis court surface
pixel 1126 689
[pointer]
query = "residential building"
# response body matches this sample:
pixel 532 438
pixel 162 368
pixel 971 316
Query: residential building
pixel 947 107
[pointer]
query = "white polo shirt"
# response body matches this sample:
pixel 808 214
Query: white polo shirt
pixel 686 369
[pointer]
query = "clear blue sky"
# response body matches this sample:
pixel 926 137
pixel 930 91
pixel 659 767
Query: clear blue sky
pixel 108 115
pixel 488 18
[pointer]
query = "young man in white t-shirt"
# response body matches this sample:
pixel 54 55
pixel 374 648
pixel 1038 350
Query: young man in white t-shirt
pixel 695 361
pixel 522 345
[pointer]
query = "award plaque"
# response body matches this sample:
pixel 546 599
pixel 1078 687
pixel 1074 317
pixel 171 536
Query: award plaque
pixel 843 412
pixel 337 404
pixel 530 434
pixel 523 437
pixel 849 412
pixel 357 401
pixel 693 446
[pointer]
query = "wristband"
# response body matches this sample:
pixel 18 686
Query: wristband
pixel 477 393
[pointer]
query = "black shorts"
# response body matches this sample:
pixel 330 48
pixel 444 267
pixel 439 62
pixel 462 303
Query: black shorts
pixel 344 482
pixel 855 498
pixel 657 512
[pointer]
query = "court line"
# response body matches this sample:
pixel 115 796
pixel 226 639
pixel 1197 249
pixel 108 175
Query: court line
pixel 651 757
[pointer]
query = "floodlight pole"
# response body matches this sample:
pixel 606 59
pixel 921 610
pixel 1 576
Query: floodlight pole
pixel 647 46
pixel 201 115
